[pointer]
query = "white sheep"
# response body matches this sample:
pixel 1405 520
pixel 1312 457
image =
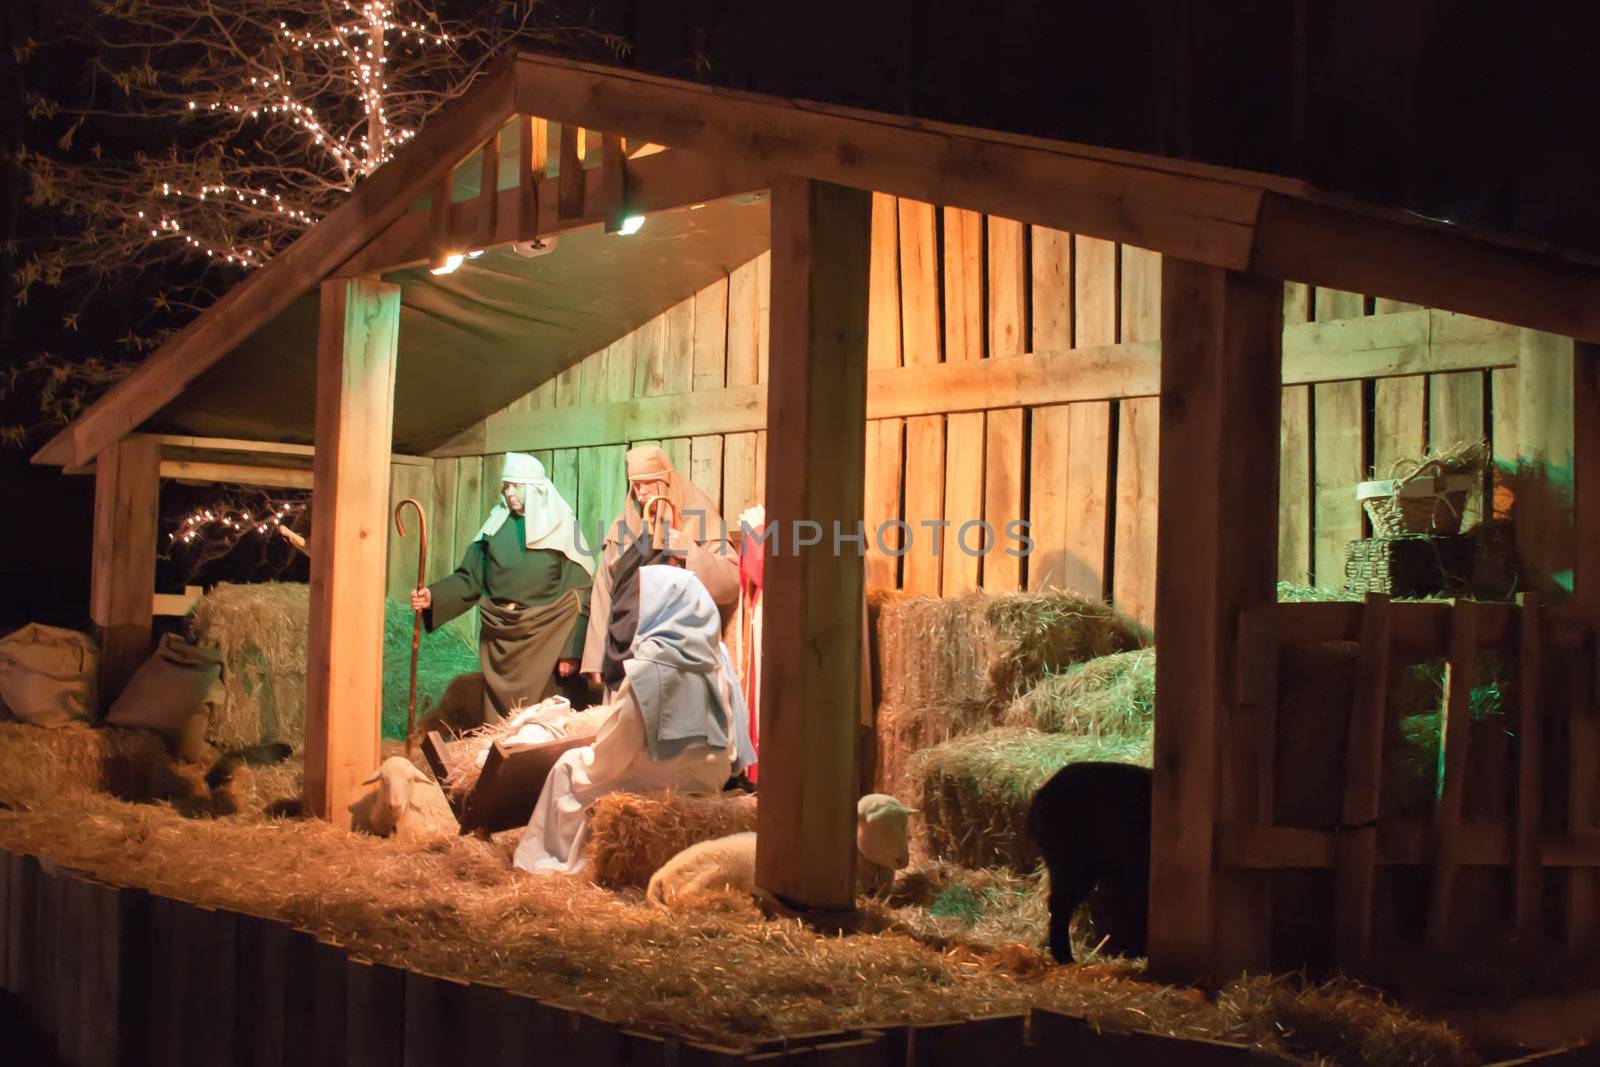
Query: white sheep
pixel 883 840
pixel 882 844
pixel 408 804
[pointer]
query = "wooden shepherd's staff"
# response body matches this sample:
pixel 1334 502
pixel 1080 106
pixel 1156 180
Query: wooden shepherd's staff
pixel 416 616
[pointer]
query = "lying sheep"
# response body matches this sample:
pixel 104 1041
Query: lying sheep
pixel 729 862
pixel 408 805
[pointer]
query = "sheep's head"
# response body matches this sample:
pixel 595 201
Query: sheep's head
pixel 395 777
pixel 881 833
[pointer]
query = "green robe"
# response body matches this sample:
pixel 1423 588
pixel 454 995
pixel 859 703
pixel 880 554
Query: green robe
pixel 502 567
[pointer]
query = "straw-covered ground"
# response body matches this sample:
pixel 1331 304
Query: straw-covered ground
pixel 718 971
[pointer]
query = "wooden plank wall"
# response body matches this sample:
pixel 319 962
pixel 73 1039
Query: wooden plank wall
pixel 951 286
pixel 715 339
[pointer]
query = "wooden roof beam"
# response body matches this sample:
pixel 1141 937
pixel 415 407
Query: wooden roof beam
pixel 660 182
pixel 1201 218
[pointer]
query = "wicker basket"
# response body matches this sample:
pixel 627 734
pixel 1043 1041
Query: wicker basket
pixel 1408 566
pixel 1400 507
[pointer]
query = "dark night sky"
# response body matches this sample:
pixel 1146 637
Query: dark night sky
pixel 1476 112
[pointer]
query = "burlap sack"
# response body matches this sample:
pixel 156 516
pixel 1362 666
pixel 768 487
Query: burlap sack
pixel 47 675
pixel 172 693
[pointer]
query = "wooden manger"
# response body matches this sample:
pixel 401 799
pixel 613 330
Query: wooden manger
pixel 509 785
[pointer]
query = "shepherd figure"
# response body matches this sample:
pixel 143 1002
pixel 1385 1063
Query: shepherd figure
pixel 688 526
pixel 530 583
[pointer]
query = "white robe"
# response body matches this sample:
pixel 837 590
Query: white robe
pixel 618 761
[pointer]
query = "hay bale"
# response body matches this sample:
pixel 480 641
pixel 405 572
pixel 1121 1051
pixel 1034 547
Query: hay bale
pixel 1113 696
pixel 632 834
pixel 39 766
pixel 976 790
pixel 261 631
pixel 950 666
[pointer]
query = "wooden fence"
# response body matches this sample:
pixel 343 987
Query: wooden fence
pixel 121 976
pixel 1537 790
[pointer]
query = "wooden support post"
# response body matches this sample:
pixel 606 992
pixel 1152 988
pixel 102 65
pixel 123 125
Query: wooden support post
pixel 439 223
pixel 821 236
pixel 356 344
pixel 1218 523
pixel 488 191
pixel 1357 846
pixel 1583 888
pixel 532 152
pixel 569 176
pixel 127 485
pixel 1527 874
pixel 1459 669
pixel 613 182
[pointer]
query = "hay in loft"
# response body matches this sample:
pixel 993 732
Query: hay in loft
pixel 39 766
pixel 454 907
pixel 632 834
pixel 976 790
pixel 1113 696
pixel 261 630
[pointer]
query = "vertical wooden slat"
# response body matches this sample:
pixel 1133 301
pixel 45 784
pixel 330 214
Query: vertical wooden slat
pixel 1221 359
pixel 919 283
pixel 356 345
pixel 1399 421
pixel 1049 498
pixel 1583 791
pixel 1294 458
pixel 924 567
pixel 739 487
pixel 442 558
pixel 1089 488
pixel 883 308
pixel 620 357
pixel 122 568
pixel 740 322
pixel 1456 417
pixel 1505 441
pixel 1459 670
pixel 1008 293
pixel 1051 282
pixel 1339 417
pixel 1133 580
pixel 678 338
pixel 1003 463
pixel 1094 280
pixel 881 503
pixel 705 465
pixel 413 480
pixel 1527 884
pixel 963 285
pixel 1357 847
pixel 963 502
pixel 811 654
pixel 569 176
pixel 763 315
pixel 1546 462
pixel 467 519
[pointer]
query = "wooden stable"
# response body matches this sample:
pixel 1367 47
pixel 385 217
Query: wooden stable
pixel 952 325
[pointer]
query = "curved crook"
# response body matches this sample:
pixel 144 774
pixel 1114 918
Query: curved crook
pixel 422 548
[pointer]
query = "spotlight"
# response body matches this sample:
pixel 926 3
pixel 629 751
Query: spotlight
pixel 631 225
pixel 451 262
pixel 475 253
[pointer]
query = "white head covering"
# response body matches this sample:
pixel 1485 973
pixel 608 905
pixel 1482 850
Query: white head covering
pixel 547 518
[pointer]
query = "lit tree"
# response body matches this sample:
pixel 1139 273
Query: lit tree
pixel 261 117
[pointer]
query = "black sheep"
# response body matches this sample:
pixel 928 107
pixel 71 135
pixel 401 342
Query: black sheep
pixel 1091 822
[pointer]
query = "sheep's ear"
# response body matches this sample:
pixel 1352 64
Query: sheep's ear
pixel 373 779
pixel 416 773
